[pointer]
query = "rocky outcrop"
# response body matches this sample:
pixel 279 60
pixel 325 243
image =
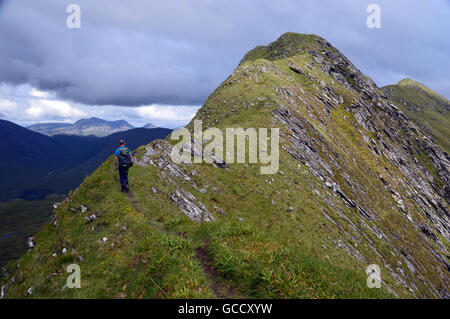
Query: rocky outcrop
pixel 158 154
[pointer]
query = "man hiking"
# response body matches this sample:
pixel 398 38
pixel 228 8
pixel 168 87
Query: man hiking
pixel 123 161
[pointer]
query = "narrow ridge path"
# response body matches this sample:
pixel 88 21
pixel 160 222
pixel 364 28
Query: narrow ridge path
pixel 220 290
pixel 201 253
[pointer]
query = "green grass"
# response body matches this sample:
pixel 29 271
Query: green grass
pixel 155 256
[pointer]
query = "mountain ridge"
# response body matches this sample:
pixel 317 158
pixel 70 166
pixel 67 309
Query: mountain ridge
pixel 359 184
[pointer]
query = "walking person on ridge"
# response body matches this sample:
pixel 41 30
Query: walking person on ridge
pixel 122 162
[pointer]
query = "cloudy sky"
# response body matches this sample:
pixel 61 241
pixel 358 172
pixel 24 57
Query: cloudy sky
pixel 157 61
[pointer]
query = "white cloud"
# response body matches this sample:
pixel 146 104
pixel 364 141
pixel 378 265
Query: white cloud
pixel 7 106
pixel 52 109
pixel 178 113
pixel 20 104
pixel 40 94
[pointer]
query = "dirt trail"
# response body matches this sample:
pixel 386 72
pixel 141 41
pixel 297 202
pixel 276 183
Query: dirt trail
pixel 201 253
pixel 219 289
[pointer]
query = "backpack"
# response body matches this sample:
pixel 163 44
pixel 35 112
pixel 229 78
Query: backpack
pixel 124 157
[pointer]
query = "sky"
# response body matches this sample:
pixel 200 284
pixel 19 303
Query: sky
pixel 158 61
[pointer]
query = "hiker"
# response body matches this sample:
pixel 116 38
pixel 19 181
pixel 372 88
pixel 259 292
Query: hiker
pixel 123 161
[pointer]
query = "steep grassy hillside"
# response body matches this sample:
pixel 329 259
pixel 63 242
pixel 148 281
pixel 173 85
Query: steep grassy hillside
pixel 426 107
pixel 358 184
pixel 29 157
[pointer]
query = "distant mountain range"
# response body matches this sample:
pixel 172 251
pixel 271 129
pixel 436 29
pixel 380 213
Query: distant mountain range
pixel 36 165
pixel 85 127
pixel 150 125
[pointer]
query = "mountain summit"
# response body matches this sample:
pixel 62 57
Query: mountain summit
pixel 427 108
pixel 360 187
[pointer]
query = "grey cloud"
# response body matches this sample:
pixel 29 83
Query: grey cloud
pixel 176 52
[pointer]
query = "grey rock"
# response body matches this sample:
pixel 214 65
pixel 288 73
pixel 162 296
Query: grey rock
pixel 30 242
pixel 193 208
pixel 220 210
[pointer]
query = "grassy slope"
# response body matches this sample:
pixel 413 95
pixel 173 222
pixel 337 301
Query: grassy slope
pixel 155 255
pixel 260 247
pixel 424 106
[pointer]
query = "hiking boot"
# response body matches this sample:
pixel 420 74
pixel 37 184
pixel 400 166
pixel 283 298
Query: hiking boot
pixel 127 189
pixel 122 189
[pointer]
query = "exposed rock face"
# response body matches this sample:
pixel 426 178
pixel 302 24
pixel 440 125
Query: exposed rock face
pixel 187 202
pixel 197 212
pixel 393 134
pixel 390 142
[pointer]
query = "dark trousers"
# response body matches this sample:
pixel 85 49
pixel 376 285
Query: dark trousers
pixel 123 174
